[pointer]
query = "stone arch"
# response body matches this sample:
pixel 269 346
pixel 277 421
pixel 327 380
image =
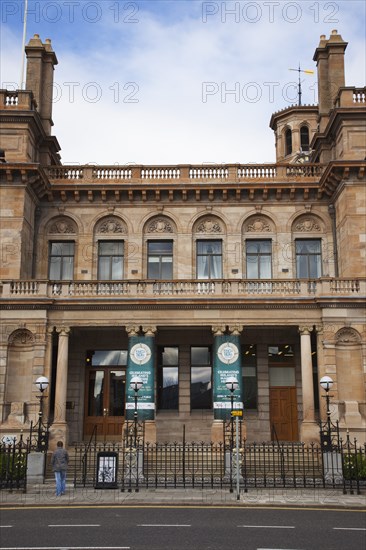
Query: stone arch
pixel 160 224
pixel 258 224
pixel 110 226
pixel 307 223
pixel 61 226
pixel 210 225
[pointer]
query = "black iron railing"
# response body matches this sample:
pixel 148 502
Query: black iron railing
pixel 13 464
pixel 206 465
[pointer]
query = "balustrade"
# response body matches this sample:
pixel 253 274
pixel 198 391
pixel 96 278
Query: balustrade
pixel 184 173
pixel 297 288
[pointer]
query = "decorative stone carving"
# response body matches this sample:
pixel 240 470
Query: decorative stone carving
pixel 149 330
pixel 258 225
pixel 306 225
pixel 218 330
pixel 62 226
pixel 209 225
pixel 21 338
pixel 160 225
pixel 347 336
pixel 132 330
pixel 235 329
pixel 110 225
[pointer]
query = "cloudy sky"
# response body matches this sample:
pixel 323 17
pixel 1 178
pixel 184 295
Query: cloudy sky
pixel 177 82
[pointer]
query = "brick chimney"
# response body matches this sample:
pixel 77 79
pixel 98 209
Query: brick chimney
pixel 329 57
pixel 41 60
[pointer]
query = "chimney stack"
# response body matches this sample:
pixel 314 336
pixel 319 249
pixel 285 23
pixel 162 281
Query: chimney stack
pixel 41 60
pixel 329 57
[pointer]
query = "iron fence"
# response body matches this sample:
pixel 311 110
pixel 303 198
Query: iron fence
pixel 13 464
pixel 212 465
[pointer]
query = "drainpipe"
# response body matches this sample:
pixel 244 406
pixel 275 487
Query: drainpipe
pixel 332 214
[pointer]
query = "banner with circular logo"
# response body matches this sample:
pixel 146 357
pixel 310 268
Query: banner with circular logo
pixel 226 366
pixel 140 363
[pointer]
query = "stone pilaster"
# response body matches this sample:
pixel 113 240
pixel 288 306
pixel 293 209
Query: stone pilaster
pixel 309 430
pixel 59 429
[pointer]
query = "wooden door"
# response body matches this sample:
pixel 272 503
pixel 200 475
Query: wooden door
pixel 283 413
pixel 105 402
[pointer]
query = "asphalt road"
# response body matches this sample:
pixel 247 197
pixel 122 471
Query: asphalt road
pixel 181 528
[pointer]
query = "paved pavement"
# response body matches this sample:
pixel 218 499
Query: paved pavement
pixel 44 495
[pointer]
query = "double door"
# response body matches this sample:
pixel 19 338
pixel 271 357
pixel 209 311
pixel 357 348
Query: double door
pixel 105 393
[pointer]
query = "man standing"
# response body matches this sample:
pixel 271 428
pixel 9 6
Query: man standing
pixel 59 462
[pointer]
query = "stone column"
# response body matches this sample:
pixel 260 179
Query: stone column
pixel 48 369
pixel 59 429
pixel 309 431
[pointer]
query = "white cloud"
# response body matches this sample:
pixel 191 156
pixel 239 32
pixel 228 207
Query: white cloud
pixel 146 105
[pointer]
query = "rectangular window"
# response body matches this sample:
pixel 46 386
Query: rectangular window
pixel 279 354
pixel 61 261
pixel 249 373
pixel 168 394
pixel 110 260
pixel 160 260
pixel 201 378
pixel 259 259
pixel 209 259
pixel 308 258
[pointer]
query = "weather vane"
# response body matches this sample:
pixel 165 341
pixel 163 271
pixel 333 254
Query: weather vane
pixel 308 71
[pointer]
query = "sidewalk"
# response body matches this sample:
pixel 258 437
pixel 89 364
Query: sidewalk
pixel 44 495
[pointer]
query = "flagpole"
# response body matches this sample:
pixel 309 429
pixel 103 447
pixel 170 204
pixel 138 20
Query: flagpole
pixel 23 44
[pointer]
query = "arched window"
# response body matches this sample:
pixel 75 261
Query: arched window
pixel 288 142
pixel 304 138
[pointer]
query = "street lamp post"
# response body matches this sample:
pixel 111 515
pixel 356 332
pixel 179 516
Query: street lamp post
pixel 135 384
pixel 42 384
pixel 326 383
pixel 232 384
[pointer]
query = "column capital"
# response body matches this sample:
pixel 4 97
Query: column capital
pixel 304 329
pixel 149 330
pixel 132 330
pixel 319 329
pixel 218 330
pixel 63 331
pixel 236 329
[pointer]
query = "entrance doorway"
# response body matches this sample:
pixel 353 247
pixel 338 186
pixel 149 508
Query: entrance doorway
pixel 283 413
pixel 105 401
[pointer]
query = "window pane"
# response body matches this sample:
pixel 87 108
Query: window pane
pixel 265 267
pixel 308 258
pixel 67 268
pixel 201 390
pixel 96 393
pixel 200 356
pixel 170 356
pixel 109 358
pixel 117 269
pixel 209 259
pixel 117 384
pixel 103 269
pixel 282 376
pixel 61 261
pixel 160 247
pixel 55 268
pixel 169 390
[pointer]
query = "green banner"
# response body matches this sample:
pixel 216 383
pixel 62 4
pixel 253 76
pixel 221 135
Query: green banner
pixel 226 363
pixel 140 362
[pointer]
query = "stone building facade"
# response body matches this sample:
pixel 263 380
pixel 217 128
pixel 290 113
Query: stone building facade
pixel 185 275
